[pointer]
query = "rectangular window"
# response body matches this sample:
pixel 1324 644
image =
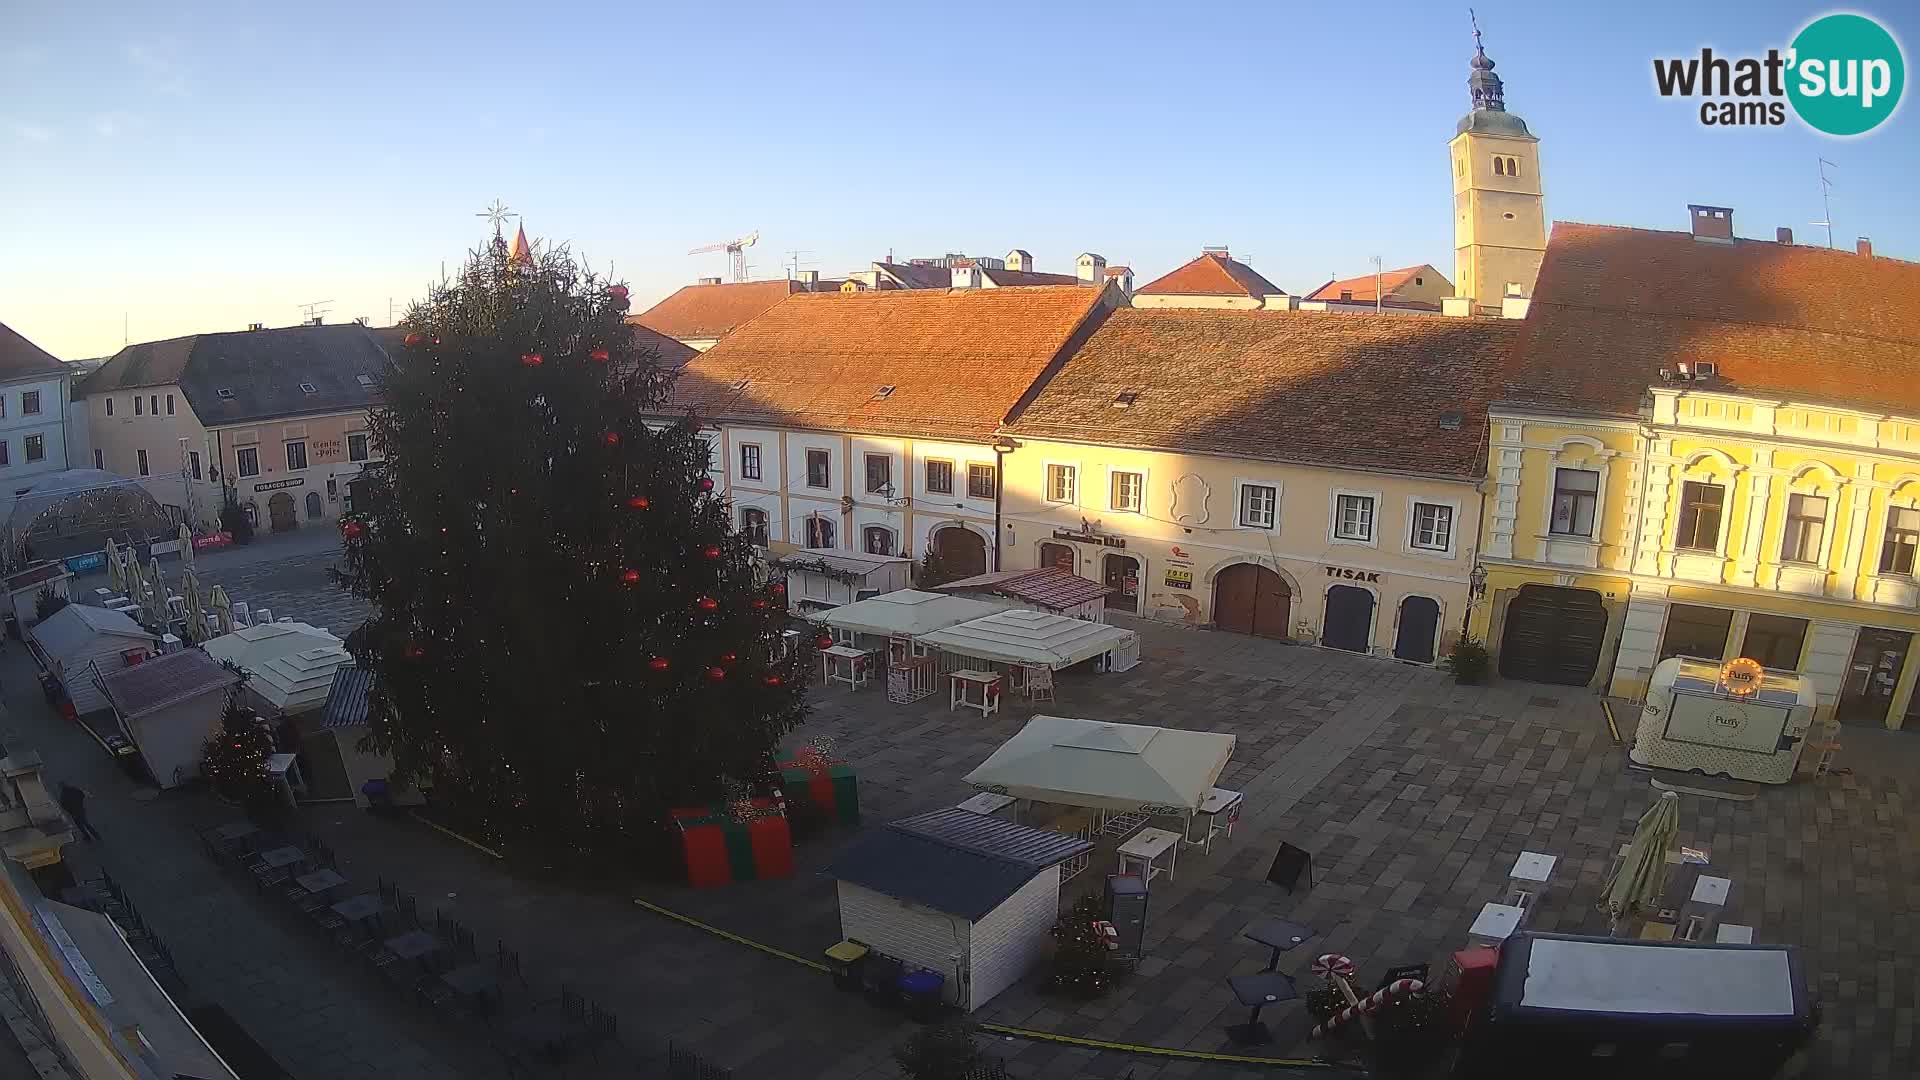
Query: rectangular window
pixel 939 477
pixel 99 457
pixel 169 404
pixel 30 403
pixel 296 454
pixel 357 447
pixel 1259 505
pixel 1060 483
pixel 749 461
pixel 109 408
pixel 3 405
pixel 980 481
pixel 1775 640
pixel 36 446
pixel 247 459
pixel 879 540
pixel 193 463
pixel 139 405
pixel 1700 517
pixel 879 474
pixel 1575 494
pixel 1903 536
pixel 753 525
pixel 1696 631
pixel 153 404
pixel 1806 524
pixel 819 532
pixel 141 456
pixel 1353 517
pixel 5 452
pixel 1129 491
pixel 819 471
pixel 1432 526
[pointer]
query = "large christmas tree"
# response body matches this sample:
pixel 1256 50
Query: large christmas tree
pixel 568 635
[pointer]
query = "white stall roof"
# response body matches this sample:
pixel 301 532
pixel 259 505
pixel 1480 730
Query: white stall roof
pixel 1060 759
pixel 289 664
pixel 907 613
pixel 1033 638
pixel 1597 976
pixel 851 562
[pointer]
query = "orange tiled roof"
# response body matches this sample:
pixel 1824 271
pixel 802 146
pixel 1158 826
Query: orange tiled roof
pixel 18 356
pixel 701 312
pixel 1613 305
pixel 1362 287
pixel 958 360
pixel 1211 274
pixel 670 352
pixel 1305 386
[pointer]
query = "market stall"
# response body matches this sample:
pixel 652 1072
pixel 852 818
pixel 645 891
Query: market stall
pixel 79 642
pixel 1049 589
pixel 900 619
pixel 1737 719
pixel 1034 643
pixel 168 707
pixel 817 580
pixel 289 665
pixel 23 588
pixel 1124 773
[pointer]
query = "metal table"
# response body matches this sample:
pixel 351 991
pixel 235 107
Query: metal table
pixel 236 830
pixel 1146 846
pixel 1257 992
pixel 320 880
pixel 412 945
pixel 858 667
pixel 282 856
pixel 1278 935
pixel 357 908
pixel 471 980
pixel 959 697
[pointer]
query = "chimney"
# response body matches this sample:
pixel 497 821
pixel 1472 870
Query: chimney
pixel 1346 295
pixel 1863 246
pixel 315 321
pixel 1712 224
pixel 1216 252
pixel 1092 268
pixel 256 326
pixel 1783 235
pixel 808 279
pixel 708 281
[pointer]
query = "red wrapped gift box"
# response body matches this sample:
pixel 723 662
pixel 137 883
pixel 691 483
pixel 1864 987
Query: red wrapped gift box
pixel 720 848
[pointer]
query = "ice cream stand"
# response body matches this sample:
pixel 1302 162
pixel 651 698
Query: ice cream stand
pixel 1737 719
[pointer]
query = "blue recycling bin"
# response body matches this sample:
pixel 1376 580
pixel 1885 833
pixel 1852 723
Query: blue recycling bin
pixel 921 991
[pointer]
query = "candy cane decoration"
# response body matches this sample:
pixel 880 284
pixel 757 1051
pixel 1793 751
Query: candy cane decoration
pixel 1330 964
pixel 1396 989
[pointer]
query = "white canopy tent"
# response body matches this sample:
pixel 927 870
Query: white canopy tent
pixel 1036 639
pixel 289 665
pixel 1129 768
pixel 908 613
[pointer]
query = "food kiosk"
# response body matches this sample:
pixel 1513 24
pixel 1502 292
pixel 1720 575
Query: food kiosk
pixel 1737 719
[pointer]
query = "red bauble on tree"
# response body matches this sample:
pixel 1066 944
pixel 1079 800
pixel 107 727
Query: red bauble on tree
pixel 599 356
pixel 638 502
pixel 413 651
pixel 728 658
pixel 532 359
pixel 415 340
pixel 618 292
pixel 716 673
pixel 659 663
pixel 629 577
pixel 352 530
pixel 777 589
pixel 706 483
pixel 707 603
pixel 774 680
pixel 825 641
pixel 611 438
pixel 759 603
pixel 711 551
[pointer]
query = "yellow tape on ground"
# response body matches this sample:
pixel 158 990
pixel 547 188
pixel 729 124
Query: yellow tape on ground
pixel 1612 728
pixel 1003 1029
pixel 437 827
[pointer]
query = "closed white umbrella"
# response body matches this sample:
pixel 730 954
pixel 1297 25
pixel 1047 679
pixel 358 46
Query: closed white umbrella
pixel 186 547
pixel 116 578
pixel 157 591
pixel 1640 877
pixel 196 614
pixel 222 609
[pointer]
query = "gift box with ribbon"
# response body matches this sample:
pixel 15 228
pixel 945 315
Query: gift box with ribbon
pixel 824 782
pixel 721 847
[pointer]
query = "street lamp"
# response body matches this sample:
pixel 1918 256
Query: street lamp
pixel 1002 446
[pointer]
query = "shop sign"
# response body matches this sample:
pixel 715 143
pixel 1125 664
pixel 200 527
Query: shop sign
pixel 1179 579
pixel 1132 585
pixel 1089 538
pixel 1370 577
pixel 278 484
pixel 1180 557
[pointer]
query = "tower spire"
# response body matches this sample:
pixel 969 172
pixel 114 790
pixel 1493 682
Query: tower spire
pixel 1483 85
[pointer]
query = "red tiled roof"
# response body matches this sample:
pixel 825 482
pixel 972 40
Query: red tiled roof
pixel 18 356
pixel 958 359
pixel 702 312
pixel 1362 287
pixel 672 352
pixel 1047 586
pixel 1211 275
pixel 1116 271
pixel 1314 387
pixel 1613 305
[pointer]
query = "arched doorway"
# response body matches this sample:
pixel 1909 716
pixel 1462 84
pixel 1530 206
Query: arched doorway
pixel 1121 573
pixel 962 549
pixel 1349 621
pixel 1251 599
pixel 314 509
pixel 1059 555
pixel 1419 629
pixel 1553 635
pixel 280 511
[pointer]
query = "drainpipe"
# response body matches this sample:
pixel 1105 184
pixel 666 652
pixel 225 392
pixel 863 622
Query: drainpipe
pixel 1001 448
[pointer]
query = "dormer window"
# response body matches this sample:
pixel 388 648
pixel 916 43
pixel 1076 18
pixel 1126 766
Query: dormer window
pixel 883 393
pixel 1125 400
pixel 364 380
pixel 309 388
pixel 225 393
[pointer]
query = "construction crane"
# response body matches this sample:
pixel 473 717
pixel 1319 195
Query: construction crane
pixel 737 249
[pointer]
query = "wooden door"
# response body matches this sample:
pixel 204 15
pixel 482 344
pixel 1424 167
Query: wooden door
pixel 1250 599
pixel 964 552
pixel 1121 573
pixel 1873 673
pixel 1060 555
pixel 1419 628
pixel 1349 621
pixel 280 511
pixel 1553 635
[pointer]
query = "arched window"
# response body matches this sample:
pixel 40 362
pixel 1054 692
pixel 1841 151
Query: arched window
pixel 878 540
pixel 819 532
pixel 1499 165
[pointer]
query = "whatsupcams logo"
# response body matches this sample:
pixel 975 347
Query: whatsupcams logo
pixel 1842 75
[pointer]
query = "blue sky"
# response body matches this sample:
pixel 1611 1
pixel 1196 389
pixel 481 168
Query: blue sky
pixel 190 167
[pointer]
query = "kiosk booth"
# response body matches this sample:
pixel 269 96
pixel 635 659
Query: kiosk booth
pixel 1737 719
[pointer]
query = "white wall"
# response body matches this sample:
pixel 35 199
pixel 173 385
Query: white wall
pixel 1012 937
pixel 175 738
pixel 50 423
pixel 105 650
pixel 919 936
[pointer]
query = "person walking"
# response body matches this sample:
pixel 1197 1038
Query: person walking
pixel 73 799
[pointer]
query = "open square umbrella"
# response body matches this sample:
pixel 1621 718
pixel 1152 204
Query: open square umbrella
pixel 1641 876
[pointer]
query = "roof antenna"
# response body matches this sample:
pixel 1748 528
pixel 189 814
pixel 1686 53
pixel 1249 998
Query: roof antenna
pixel 1826 199
pixel 1475 20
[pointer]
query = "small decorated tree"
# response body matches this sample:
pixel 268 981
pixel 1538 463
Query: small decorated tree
pixel 46 603
pixel 235 760
pixel 932 570
pixel 1082 962
pixel 233 519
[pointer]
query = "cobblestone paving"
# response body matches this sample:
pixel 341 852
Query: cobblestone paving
pixel 1414 796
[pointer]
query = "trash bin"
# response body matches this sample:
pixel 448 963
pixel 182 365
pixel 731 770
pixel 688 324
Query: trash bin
pixel 844 959
pixel 921 992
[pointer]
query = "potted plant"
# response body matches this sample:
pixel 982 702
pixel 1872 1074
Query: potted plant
pixel 1468 660
pixel 46 603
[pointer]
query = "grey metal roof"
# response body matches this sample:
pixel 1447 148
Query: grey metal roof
pixel 164 681
pixel 265 369
pixel 347 699
pixel 953 860
pixel 1493 122
pixel 71 631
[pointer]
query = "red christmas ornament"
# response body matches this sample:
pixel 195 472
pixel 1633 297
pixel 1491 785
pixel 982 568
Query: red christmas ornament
pixel 638 502
pixel 352 530
pixel 600 356
pixel 774 680
pixel 777 589
pixel 706 483
pixel 728 658
pixel 415 340
pixel 716 674
pixel 759 605
pixel 708 603
pixel 532 359
pixel 659 663
pixel 825 641
pixel 630 577
pixel 711 551
pixel 611 438
pixel 415 652
pixel 618 292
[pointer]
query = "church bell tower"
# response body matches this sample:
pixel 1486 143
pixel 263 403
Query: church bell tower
pixel 1499 214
